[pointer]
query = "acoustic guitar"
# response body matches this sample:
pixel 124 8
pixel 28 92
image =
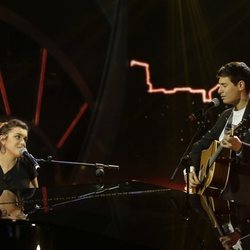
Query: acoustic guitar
pixel 215 164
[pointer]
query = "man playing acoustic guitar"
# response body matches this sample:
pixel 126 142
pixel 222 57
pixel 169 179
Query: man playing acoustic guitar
pixel 234 89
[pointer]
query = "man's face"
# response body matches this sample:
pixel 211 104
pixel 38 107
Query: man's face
pixel 229 92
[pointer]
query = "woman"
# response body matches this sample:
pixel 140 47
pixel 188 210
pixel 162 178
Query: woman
pixel 15 172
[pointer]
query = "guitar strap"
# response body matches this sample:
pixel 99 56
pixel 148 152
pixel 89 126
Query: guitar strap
pixel 228 126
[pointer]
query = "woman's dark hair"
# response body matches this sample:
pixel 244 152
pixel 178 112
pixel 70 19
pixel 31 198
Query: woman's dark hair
pixel 5 127
pixel 236 71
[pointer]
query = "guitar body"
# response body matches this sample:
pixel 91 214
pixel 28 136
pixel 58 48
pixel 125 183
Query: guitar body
pixel 214 170
pixel 214 174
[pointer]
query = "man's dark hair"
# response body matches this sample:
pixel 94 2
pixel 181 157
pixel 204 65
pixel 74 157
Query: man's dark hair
pixel 236 71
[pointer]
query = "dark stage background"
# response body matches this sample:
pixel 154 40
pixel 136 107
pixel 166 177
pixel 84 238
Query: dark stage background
pixel 66 68
pixel 113 82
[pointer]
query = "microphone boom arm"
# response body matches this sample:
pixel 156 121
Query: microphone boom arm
pixel 96 165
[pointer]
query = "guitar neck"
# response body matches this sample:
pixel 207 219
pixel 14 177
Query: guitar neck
pixel 215 156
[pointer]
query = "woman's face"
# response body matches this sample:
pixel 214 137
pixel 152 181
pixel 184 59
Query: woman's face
pixel 15 140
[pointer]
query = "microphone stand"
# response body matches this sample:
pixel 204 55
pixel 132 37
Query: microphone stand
pixel 99 167
pixel 185 156
pixel 186 161
pixel 100 187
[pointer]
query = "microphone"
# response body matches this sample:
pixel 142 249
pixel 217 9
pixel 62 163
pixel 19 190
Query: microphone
pixel 29 157
pixel 195 116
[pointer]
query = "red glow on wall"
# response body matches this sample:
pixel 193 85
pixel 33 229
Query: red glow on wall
pixel 72 125
pixel 206 95
pixel 4 96
pixel 41 86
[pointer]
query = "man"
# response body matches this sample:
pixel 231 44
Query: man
pixel 234 88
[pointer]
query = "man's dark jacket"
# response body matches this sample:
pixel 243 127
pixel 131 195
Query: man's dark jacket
pixel 238 188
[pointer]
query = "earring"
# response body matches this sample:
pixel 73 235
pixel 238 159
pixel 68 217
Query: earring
pixel 3 149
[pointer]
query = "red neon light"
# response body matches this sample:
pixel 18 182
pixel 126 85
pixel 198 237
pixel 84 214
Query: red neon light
pixel 206 95
pixel 72 125
pixel 4 96
pixel 40 89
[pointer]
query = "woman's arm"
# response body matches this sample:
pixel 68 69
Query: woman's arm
pixel 34 183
